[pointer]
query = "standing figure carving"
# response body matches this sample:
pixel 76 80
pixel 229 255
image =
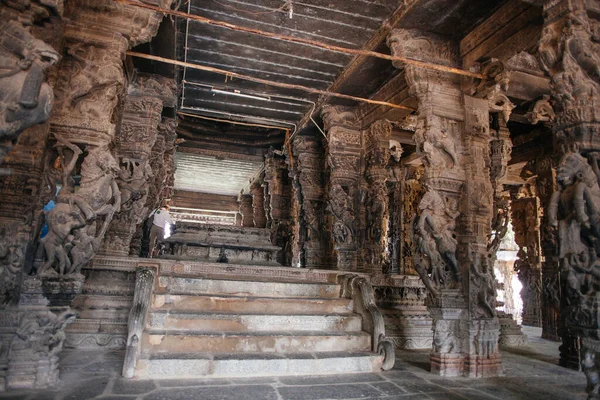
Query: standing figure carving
pixel 435 259
pixel 340 205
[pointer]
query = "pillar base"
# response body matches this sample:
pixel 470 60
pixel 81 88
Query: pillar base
pixel 483 366
pixel 447 364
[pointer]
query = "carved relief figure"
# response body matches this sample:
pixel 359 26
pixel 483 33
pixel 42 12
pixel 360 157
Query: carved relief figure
pixel 445 340
pixel 340 205
pixel 569 52
pixel 433 141
pixel 483 279
pixel 435 238
pixel 91 91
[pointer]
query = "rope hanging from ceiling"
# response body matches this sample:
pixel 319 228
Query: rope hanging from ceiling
pixel 355 52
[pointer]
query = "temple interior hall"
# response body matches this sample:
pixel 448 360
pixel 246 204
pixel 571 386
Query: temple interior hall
pixel 299 199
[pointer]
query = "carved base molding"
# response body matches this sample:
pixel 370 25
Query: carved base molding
pixel 462 347
pixel 33 334
pixel 510 332
pixel 447 364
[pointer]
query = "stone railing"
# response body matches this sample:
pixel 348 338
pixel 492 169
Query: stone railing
pixel 359 289
pixel 144 284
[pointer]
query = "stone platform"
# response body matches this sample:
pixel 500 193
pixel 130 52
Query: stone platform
pixel 221 243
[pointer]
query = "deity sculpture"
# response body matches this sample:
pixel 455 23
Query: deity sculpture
pixel 340 205
pixel 434 232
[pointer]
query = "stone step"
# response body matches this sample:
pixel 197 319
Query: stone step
pixel 229 322
pixel 96 341
pixel 98 326
pixel 256 364
pixel 103 314
pixel 248 305
pixel 187 285
pixel 97 301
pixel 169 341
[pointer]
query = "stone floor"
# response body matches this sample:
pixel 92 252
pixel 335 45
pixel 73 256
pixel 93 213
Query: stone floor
pixel 529 373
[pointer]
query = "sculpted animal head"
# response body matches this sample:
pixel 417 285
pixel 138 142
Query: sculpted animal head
pixel 574 168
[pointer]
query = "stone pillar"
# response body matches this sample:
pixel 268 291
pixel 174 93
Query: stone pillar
pixel 314 232
pixel 90 83
pixel 160 189
pixel 570 55
pixel 246 210
pixel 526 224
pixel 279 207
pixel 410 193
pixel 545 171
pixel 456 210
pixel 142 109
pixel 377 150
pixel 258 203
pixel 343 158
pixel 29 34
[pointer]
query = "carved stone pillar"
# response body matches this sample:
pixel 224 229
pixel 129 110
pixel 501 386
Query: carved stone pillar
pixel 314 232
pixel 258 203
pixel 162 164
pixel 279 195
pixel 570 55
pixel 30 31
pixel 246 210
pixel 142 109
pixel 343 158
pixel 377 152
pixel 526 224
pixel 454 224
pixel 545 172
pixel 91 81
pixel 411 192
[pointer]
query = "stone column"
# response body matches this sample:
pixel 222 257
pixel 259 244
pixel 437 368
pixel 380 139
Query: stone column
pixel 526 224
pixel 570 55
pixel 160 189
pixel 545 171
pixel 258 203
pixel 456 210
pixel 343 159
pixel 279 207
pixel 246 210
pixel 377 150
pixel 411 192
pixel 29 34
pixel 90 85
pixel 314 234
pixel 142 109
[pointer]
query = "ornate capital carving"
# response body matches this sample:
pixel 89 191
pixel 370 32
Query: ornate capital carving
pixel 422 46
pixel 569 51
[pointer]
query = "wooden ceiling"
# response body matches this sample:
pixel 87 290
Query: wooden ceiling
pixel 208 99
pixel 347 23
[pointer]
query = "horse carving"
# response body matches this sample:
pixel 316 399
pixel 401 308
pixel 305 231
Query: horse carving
pixel 70 241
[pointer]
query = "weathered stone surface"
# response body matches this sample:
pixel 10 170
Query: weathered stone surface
pixel 223 244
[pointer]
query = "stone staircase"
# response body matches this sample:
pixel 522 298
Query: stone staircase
pixel 252 321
